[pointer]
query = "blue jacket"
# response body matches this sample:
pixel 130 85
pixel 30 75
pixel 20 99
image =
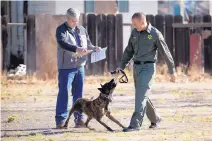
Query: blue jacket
pixel 67 45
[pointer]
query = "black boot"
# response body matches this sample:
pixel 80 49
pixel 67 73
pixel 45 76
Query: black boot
pixel 155 125
pixel 131 129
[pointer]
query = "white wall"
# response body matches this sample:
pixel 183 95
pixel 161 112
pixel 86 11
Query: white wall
pixel 147 7
pixel 54 7
pixel 126 35
pixel 62 6
pixel 210 7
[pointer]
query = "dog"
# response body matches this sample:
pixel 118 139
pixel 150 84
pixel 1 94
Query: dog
pixel 98 107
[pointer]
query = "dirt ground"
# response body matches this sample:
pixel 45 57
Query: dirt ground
pixel 28 110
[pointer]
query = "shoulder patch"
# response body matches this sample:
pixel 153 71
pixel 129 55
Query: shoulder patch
pixel 158 34
pixel 133 34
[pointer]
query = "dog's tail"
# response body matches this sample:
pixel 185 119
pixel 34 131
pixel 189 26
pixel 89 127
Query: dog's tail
pixel 76 107
pixel 70 113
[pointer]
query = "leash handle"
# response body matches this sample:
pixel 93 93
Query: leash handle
pixel 124 78
pixel 113 72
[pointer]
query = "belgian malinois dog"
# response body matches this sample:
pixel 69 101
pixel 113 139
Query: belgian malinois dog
pixel 98 107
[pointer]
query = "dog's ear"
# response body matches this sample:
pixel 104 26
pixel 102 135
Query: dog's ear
pixel 100 89
pixel 101 85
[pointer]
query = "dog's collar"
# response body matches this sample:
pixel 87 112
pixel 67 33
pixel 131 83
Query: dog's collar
pixel 109 97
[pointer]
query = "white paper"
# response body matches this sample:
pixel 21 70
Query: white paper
pixel 97 56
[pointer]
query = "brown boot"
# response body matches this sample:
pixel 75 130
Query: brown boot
pixel 61 125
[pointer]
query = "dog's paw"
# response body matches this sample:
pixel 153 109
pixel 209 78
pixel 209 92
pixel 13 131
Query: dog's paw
pixel 111 130
pixel 92 129
pixel 65 126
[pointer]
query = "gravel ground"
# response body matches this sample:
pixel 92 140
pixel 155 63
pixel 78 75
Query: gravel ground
pixel 27 113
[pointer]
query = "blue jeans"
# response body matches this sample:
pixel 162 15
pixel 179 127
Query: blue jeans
pixel 69 79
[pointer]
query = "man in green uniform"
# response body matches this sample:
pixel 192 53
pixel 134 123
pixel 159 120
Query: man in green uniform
pixel 144 43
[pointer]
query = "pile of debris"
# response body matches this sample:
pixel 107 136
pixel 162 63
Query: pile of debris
pixel 18 73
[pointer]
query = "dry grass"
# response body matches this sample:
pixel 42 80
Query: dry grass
pixel 183 75
pixel 12 118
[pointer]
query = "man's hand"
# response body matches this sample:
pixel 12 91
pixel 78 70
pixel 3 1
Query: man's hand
pixel 81 50
pixel 173 77
pixel 97 49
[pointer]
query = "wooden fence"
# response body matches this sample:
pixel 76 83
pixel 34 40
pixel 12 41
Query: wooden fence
pixel 103 30
pixel 179 39
pixel 110 34
pixel 107 30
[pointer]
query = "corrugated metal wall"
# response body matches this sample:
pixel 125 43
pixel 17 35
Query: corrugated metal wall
pixel 62 6
pixel 41 7
pixel 16 41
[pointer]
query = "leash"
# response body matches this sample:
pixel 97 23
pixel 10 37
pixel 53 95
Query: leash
pixel 123 78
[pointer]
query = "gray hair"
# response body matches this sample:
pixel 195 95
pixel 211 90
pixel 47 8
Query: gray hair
pixel 72 12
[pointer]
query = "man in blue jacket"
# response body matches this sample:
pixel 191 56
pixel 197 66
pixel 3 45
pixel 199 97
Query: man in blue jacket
pixel 72 39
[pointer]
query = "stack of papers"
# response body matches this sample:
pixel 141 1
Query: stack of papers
pixel 97 56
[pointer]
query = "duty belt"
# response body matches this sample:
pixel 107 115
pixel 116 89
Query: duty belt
pixel 145 62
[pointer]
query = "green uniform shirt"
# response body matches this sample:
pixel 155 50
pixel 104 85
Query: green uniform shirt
pixel 143 46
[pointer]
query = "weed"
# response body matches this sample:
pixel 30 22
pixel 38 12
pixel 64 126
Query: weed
pixel 12 118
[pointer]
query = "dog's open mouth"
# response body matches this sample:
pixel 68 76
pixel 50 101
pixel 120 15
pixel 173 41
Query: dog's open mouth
pixel 113 83
pixel 107 89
